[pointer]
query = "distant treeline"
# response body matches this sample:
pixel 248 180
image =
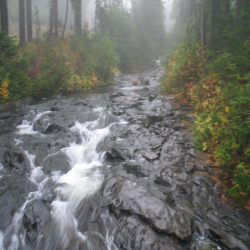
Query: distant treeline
pixel 124 39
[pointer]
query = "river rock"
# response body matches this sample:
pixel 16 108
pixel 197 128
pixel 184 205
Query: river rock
pixel 224 239
pixel 151 119
pixel 134 234
pixel 149 155
pixel 164 200
pixel 182 225
pixel 36 219
pixel 136 168
pixel 137 200
pixel 58 162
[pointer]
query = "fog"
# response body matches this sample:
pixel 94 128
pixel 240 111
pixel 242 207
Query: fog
pixel 88 14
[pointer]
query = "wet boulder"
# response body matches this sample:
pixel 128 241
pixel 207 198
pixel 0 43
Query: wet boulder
pixel 44 146
pixel 225 240
pixel 149 155
pixel 13 192
pixel 134 234
pixel 172 150
pixel 36 219
pixel 9 120
pixel 136 168
pixel 116 154
pixel 58 162
pixel 151 97
pixel 144 81
pixel 182 225
pixel 165 177
pixel 116 95
pixel 137 200
pixel 15 159
pixel 46 126
pixel 151 119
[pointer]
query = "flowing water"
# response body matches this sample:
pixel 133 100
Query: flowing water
pixel 108 170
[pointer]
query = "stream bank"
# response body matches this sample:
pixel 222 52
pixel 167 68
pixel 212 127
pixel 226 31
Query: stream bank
pixel 113 169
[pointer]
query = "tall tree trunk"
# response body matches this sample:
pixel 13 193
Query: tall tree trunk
pixel 245 13
pixel 51 20
pixel 194 4
pixel 227 8
pixel 96 15
pixel 238 4
pixel 29 19
pixel 202 30
pixel 22 21
pixel 66 18
pixel 56 17
pixel 213 18
pixel 4 15
pixel 78 17
pixel 191 8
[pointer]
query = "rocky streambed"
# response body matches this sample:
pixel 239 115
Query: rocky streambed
pixel 113 169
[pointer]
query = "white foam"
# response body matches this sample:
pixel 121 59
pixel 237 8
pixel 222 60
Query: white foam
pixel 83 180
pixel 1 241
pixel 65 223
pixel 14 243
pixel 99 108
pixel 18 141
pixel 27 127
pixel 129 88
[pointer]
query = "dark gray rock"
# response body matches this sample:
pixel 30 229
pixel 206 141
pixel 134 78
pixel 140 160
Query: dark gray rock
pixel 36 219
pixel 134 234
pixel 116 154
pixel 182 225
pixel 58 162
pixel 137 200
pixel 15 159
pixel 151 119
pixel 151 97
pixel 223 239
pixel 48 126
pixel 136 168
pixel 149 155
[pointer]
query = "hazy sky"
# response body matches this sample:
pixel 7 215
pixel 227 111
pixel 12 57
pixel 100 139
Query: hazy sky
pixel 88 10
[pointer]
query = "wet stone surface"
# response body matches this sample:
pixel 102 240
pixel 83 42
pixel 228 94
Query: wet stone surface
pixel 113 169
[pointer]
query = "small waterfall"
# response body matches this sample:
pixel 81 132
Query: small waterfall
pixel 82 180
pixel 27 127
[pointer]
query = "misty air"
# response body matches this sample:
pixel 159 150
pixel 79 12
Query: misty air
pixel 124 125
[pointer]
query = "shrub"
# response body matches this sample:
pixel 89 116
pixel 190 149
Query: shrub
pixel 220 92
pixel 77 63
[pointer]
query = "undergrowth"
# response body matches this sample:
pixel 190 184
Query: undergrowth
pixel 219 90
pixel 38 68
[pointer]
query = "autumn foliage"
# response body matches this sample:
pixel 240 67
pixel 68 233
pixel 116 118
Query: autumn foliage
pixel 38 68
pixel 219 90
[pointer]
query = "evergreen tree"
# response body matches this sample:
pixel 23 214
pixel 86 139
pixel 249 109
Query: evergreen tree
pixel 53 30
pixel 4 15
pixel 22 21
pixel 29 19
pixel 56 17
pixel 66 18
pixel 149 20
pixel 77 7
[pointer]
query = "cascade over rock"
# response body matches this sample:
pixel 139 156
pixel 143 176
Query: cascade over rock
pixel 113 169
